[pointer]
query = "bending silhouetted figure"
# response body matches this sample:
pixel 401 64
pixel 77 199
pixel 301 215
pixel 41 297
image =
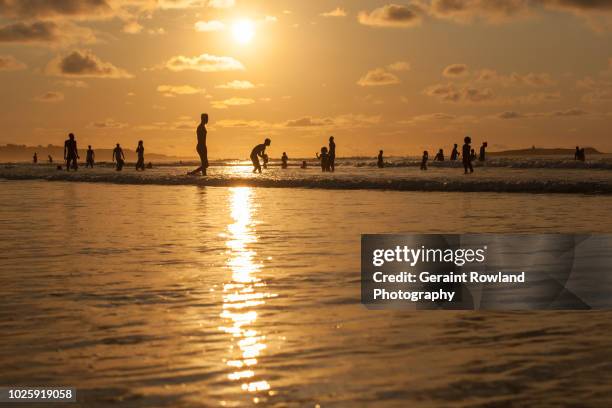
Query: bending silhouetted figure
pixel 257 152
pixel 284 160
pixel 201 148
pixel 118 157
pixel 71 153
pixel 331 158
pixel 90 158
pixel 482 156
pixel 455 153
pixel 381 161
pixel 466 155
pixel 439 156
pixel 424 160
pixel 140 165
pixel 323 157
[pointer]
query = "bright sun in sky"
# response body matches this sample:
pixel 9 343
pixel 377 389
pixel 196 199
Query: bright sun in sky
pixel 243 31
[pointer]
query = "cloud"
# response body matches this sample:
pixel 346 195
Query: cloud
pixel 451 93
pixel 132 27
pixel 574 112
pixel 399 66
pixel 203 63
pixel 455 70
pixel 532 79
pixel 84 64
pixel 10 63
pixel 29 32
pixel 236 84
pixel 337 12
pixel 73 83
pixel 492 11
pixel 55 8
pixel 392 15
pixel 232 102
pixel 108 124
pixel 378 77
pixel 50 97
pixel 174 90
pixel 510 115
pixel 307 121
pixel 221 3
pixel 208 26
pixel 570 112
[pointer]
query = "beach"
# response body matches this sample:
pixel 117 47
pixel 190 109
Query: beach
pixel 152 294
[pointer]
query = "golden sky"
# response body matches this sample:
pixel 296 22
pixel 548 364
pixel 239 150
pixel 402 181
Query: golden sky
pixel 402 77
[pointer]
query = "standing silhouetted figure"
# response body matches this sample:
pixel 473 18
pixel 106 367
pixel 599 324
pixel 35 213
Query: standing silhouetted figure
pixel 331 158
pixel 455 153
pixel 472 155
pixel 284 160
pixel 304 165
pixel 90 158
pixel 381 161
pixel 50 158
pixel 424 160
pixel 439 156
pixel 466 155
pixel 118 157
pixel 71 153
pixel 577 153
pixel 580 154
pixel 257 152
pixel 140 165
pixel 35 158
pixel 324 157
pixel 482 155
pixel 201 148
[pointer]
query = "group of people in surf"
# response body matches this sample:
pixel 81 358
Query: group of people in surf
pixel 468 155
pixel 71 156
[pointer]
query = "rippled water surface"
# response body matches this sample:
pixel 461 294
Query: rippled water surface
pixel 185 296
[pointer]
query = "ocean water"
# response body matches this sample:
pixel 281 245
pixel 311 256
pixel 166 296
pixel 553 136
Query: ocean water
pixel 190 296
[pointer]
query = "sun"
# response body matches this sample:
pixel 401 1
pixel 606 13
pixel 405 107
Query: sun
pixel 243 31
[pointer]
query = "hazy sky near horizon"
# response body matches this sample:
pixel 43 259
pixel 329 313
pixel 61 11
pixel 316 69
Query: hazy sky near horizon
pixel 403 76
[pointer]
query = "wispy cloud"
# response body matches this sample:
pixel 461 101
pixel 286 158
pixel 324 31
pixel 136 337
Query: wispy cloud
pixel 84 64
pixel 203 63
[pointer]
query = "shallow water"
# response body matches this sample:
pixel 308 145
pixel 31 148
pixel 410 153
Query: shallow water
pixel 185 296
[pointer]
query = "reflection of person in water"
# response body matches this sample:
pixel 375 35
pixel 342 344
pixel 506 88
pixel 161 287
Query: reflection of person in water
pixel 424 160
pixel 71 153
pixel 118 157
pixel 35 158
pixel 304 165
pixel 466 155
pixel 257 152
pixel 323 157
pixel 482 155
pixel 201 148
pixel 455 153
pixel 439 156
pixel 89 159
pixel 331 158
pixel 284 160
pixel 140 151
pixel 381 161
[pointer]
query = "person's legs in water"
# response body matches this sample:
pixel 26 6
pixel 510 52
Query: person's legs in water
pixel 467 165
pixel 256 165
pixel 203 152
pixel 331 165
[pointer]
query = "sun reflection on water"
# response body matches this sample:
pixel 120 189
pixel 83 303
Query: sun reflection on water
pixel 243 294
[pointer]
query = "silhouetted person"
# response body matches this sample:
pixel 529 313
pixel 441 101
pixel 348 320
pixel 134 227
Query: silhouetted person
pixel 265 160
pixel 90 157
pixel 323 157
pixel 381 161
pixel 35 158
pixel 257 152
pixel 482 156
pixel 201 133
pixel 59 167
pixel 50 158
pixel 140 151
pixel 284 160
pixel 304 165
pixel 466 155
pixel 582 154
pixel 455 153
pixel 118 157
pixel 149 165
pixel 439 156
pixel 424 160
pixel 577 153
pixel 71 153
pixel 331 158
